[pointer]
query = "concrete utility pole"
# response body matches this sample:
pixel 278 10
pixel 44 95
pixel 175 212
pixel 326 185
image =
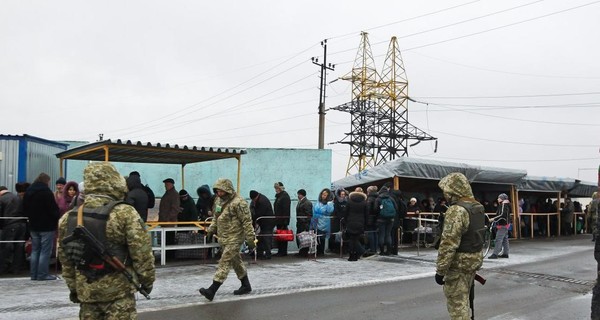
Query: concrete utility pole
pixel 324 67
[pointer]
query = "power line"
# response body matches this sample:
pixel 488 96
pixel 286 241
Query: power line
pixel 510 96
pixel 519 143
pixel 516 119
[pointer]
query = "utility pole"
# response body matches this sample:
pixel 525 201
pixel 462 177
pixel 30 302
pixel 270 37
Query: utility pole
pixel 324 67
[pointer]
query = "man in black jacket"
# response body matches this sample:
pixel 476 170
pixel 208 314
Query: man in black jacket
pixel 304 210
pixel 282 211
pixel 137 196
pixel 40 207
pixel 262 215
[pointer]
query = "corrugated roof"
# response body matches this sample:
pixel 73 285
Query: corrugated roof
pixel 145 152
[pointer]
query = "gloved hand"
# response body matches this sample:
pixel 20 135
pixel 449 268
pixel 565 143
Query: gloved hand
pixel 147 288
pixel 251 244
pixel 73 297
pixel 439 279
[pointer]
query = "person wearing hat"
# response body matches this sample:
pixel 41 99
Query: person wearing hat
pixel 168 209
pixel 188 210
pixel 281 208
pixel 263 216
pixel 304 210
pixel 60 184
pixel 503 222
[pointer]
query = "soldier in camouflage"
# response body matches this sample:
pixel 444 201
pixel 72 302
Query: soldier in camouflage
pixel 110 296
pixel 459 254
pixel 232 224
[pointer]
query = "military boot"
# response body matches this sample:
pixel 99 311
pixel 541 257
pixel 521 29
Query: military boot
pixel 211 291
pixel 245 288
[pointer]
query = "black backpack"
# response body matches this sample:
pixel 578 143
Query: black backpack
pixel 151 197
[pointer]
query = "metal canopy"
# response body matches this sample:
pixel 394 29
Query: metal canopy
pixel 139 152
pixel 128 151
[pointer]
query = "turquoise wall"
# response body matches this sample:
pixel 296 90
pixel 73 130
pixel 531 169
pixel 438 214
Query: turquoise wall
pixel 308 169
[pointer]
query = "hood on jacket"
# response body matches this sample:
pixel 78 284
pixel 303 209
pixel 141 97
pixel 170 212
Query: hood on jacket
pixel 225 185
pixel 595 195
pixel 357 196
pixel 455 186
pixel 203 189
pixel 65 190
pixel 102 178
pixel 133 182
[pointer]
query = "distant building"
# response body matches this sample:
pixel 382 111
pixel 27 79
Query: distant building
pixel 24 157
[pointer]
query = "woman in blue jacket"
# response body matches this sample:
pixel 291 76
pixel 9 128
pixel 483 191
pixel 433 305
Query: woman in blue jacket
pixel 321 219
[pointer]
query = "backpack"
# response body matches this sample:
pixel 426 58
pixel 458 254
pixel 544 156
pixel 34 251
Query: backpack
pixel 387 208
pixel 151 197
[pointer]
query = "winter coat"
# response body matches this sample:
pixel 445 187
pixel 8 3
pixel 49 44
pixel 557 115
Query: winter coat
pixel 503 213
pixel 10 206
pixel 356 213
pixel 169 206
pixel 124 228
pixel 188 210
pixel 372 217
pixel 322 211
pixel 232 221
pixel 39 205
pixel 456 222
pixel 262 208
pixel 205 201
pixel 282 207
pixel 339 210
pixel 304 208
pixel 137 196
pixel 64 202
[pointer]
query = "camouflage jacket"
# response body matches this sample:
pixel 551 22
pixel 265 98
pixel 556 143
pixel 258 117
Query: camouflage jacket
pixel 456 223
pixel 124 227
pixel 232 219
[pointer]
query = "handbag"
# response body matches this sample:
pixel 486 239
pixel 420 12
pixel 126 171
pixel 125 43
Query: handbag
pixel 305 239
pixel 284 235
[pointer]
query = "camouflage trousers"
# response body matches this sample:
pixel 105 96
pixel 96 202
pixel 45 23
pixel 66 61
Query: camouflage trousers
pixel 121 309
pixel 457 288
pixel 230 258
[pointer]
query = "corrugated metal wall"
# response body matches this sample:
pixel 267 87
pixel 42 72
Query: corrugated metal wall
pixel 9 165
pixel 42 158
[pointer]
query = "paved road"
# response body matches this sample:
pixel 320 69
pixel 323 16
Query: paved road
pixel 556 286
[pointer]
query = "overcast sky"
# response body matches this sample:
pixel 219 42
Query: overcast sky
pixel 512 84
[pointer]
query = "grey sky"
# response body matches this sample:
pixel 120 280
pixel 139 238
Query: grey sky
pixel 238 73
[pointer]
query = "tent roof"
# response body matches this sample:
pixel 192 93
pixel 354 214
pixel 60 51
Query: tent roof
pixel 128 151
pixel 575 188
pixel 431 170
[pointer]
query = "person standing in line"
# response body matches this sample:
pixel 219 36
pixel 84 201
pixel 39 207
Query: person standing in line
pixel 371 225
pixel 205 202
pixel 593 215
pixel 503 222
pixel 70 192
pixel 39 205
pixel 566 217
pixel 355 217
pixel 59 184
pixel 304 212
pixel 101 291
pixel 321 222
pixel 137 196
pixel 460 250
pixel 263 216
pixel 387 209
pixel 233 224
pixel 187 209
pixel 168 210
pixel 12 255
pixel 281 207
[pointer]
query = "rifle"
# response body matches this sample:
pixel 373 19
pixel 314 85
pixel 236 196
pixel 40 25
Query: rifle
pixel 102 252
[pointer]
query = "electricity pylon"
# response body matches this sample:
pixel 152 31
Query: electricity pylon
pixel 379 128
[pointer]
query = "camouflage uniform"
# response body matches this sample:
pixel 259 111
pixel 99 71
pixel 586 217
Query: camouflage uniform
pixel 111 296
pixel 457 268
pixel 233 225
